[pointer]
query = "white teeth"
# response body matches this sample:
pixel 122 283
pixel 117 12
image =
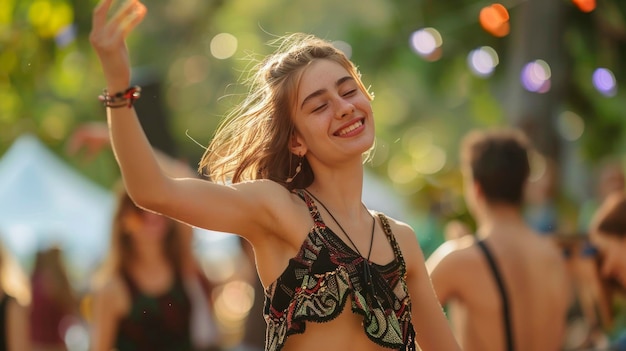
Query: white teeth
pixel 351 127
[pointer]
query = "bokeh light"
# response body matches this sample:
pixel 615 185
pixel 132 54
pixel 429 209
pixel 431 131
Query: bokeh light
pixel 536 75
pixel 483 61
pixel 426 157
pixel 49 18
pixel 233 302
pixel 495 20
pixel 570 126
pixel 400 171
pixel 196 68
pixel 432 162
pixel 585 5
pixel 223 46
pixel 604 81
pixel 427 43
pixel 66 36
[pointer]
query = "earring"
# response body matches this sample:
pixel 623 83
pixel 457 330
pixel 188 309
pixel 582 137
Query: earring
pixel 298 168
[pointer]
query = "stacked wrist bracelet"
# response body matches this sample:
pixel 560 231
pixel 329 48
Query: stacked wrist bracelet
pixel 124 98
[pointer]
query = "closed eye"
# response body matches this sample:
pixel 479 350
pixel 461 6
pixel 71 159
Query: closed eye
pixel 319 108
pixel 350 92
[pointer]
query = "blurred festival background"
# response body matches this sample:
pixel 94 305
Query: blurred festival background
pixel 437 68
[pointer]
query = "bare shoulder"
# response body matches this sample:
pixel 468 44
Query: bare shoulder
pixel 112 295
pixel 267 193
pixel 408 240
pixel 551 251
pixel 272 200
pixel 285 213
pixel 456 252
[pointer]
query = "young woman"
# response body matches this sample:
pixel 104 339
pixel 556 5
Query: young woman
pixel 143 294
pixel 54 305
pixel 336 274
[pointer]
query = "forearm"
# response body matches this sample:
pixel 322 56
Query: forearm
pixel 142 176
pixel 140 169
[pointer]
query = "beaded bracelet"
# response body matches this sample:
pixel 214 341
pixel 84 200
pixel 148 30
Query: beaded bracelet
pixel 124 98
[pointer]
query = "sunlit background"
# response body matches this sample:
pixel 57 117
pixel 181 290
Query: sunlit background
pixel 437 68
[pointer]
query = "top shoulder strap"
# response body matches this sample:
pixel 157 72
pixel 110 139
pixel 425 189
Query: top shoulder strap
pixel 506 313
pixel 392 239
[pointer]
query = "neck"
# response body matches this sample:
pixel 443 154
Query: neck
pixel 149 255
pixel 500 220
pixel 341 189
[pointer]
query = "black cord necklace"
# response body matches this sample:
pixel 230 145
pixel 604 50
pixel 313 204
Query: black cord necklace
pixel 366 264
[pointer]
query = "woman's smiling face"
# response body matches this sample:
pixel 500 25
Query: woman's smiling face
pixel 333 116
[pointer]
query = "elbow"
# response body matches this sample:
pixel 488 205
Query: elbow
pixel 148 199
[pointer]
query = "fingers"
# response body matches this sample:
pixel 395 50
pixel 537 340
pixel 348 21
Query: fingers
pixel 127 9
pixel 129 13
pixel 100 13
pixel 108 34
pixel 133 19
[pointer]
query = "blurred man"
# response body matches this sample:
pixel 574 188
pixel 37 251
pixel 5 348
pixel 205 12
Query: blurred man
pixel 509 283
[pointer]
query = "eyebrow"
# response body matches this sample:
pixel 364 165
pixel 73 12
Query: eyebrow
pixel 322 91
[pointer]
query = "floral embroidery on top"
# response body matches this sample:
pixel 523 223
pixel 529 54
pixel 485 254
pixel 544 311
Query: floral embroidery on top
pixel 324 273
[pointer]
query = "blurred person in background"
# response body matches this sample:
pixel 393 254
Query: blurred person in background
pixel 15 297
pixel 608 235
pixel 143 296
pixel 205 335
pixel 253 338
pixel 54 305
pixel 609 178
pixel 510 283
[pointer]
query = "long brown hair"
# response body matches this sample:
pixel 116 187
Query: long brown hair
pixel 121 247
pixel 253 140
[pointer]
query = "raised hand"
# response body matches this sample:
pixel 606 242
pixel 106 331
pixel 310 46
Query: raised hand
pixel 92 137
pixel 108 38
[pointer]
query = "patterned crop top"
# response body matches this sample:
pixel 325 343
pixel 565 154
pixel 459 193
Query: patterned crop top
pixel 324 273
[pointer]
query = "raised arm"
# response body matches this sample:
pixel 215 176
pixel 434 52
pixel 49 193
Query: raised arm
pixel 237 209
pixel 142 175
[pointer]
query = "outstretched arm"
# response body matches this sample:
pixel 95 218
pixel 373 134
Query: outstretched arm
pixel 239 209
pixel 133 153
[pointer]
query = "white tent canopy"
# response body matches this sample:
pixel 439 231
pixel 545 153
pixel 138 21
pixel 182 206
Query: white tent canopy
pixel 44 202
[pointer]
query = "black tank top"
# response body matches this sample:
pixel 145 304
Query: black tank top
pixel 504 296
pixel 156 322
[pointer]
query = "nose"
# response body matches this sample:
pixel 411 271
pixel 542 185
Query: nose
pixel 345 109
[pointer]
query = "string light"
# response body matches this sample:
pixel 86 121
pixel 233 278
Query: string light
pixel 536 75
pixel 495 20
pixel 604 81
pixel 483 61
pixel 585 5
pixel 427 43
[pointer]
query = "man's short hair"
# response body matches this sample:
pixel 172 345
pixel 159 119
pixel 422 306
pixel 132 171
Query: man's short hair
pixel 498 161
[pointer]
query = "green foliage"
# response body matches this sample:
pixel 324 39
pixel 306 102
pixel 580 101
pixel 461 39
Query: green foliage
pixel 48 86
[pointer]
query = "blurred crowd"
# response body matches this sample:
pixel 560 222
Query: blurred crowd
pixel 152 292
